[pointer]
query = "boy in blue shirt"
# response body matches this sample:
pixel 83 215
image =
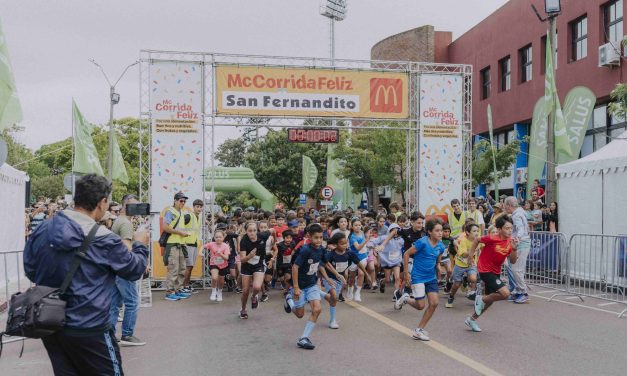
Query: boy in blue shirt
pixel 427 253
pixel 309 261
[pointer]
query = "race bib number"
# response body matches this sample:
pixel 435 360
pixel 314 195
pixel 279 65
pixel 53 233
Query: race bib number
pixel 218 261
pixel 341 266
pixel 395 254
pixel 254 260
pixel 313 269
pixel 287 259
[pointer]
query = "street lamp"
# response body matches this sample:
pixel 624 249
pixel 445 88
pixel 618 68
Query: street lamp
pixel 334 10
pixel 552 7
pixel 114 98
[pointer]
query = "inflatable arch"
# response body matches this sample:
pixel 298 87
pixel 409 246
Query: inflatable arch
pixel 238 179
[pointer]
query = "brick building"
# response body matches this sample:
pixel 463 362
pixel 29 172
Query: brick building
pixel 507 52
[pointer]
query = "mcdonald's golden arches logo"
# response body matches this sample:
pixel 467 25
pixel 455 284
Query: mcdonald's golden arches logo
pixel 386 95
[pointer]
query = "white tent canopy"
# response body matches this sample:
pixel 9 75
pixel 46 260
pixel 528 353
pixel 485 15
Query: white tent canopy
pixel 593 191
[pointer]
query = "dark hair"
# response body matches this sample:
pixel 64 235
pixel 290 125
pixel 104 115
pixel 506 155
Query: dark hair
pixel 455 202
pixel 220 231
pixel 248 223
pixel 431 223
pixel 469 226
pixel 416 216
pixel 402 218
pixel 314 229
pixel 336 238
pixel 90 190
pixel 287 233
pixel 335 222
pixel 198 202
pixel 395 205
pixel 391 218
pixel 446 226
pixel 502 220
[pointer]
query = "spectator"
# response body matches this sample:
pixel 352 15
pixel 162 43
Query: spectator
pixel 538 188
pixel 553 218
pixel 175 253
pixel 535 196
pixel 38 215
pixel 521 232
pixel 125 291
pixel 86 345
pixel 195 227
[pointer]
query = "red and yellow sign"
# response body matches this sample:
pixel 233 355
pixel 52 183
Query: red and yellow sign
pixel 279 91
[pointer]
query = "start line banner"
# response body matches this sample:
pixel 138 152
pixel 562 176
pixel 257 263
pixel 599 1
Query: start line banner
pixel 283 91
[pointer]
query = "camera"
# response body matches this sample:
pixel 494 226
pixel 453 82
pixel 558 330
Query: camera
pixel 142 209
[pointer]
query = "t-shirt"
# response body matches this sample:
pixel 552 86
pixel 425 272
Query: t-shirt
pixel 345 232
pixel 231 240
pixel 284 254
pixel 278 230
pixel 392 253
pixel 36 220
pixel 493 254
pixel 359 239
pixel 308 261
pixel 340 262
pixel 247 245
pixel 410 235
pixel 217 253
pixel 123 228
pixel 461 258
pixel 425 259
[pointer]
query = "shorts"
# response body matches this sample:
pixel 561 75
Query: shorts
pixel 192 254
pixel 307 295
pixel 283 270
pixel 269 271
pixel 458 272
pixel 445 261
pixel 338 286
pixel 354 267
pixel 221 272
pixel 232 264
pixel 248 269
pixel 492 282
pixel 385 265
pixel 420 290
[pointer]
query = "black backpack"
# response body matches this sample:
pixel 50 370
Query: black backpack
pixel 40 311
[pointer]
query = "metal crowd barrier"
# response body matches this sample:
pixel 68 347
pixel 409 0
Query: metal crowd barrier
pixel 12 280
pixel 547 260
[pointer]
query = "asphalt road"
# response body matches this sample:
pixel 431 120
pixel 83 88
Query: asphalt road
pixel 198 337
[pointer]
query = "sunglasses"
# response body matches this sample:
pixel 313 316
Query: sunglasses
pixel 182 200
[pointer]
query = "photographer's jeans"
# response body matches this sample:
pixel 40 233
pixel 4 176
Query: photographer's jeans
pixel 125 292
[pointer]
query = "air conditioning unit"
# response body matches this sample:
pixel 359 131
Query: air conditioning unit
pixel 609 55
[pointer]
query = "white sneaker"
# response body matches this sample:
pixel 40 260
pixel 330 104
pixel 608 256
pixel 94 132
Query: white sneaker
pixel 357 296
pixel 219 297
pixel 398 304
pixel 333 325
pixel 349 293
pixel 420 334
pixel 214 295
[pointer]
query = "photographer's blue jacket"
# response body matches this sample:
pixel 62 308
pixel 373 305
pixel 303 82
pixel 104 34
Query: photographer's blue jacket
pixel 49 253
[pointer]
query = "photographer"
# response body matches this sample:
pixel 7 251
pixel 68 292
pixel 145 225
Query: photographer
pixel 87 344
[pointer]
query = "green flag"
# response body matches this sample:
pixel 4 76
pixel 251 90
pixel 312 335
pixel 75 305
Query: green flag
pixel 10 109
pixel 119 169
pixel 310 174
pixel 493 149
pixel 552 104
pixel 85 155
pixel 578 107
pixel 537 143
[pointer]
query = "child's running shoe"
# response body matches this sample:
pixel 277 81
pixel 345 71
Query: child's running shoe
pixel 472 324
pixel 449 302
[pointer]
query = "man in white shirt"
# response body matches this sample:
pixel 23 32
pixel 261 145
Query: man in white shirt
pixel 521 232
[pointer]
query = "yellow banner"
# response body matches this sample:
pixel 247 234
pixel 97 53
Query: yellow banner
pixel 278 91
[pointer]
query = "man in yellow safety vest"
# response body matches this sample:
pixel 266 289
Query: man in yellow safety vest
pixel 457 218
pixel 175 250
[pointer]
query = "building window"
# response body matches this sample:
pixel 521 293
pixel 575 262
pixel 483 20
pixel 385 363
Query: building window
pixel 505 65
pixel 614 21
pixel 485 83
pixel 605 127
pixel 525 64
pixel 580 38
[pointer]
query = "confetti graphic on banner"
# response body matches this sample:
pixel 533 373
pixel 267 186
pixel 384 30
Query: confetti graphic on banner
pixel 441 135
pixel 176 109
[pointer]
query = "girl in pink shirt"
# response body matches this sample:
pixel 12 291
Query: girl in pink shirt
pixel 219 264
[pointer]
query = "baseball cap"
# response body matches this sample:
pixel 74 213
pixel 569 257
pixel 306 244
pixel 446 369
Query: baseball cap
pixel 292 223
pixel 180 195
pixel 393 226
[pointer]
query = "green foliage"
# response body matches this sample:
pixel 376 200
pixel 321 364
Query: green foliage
pixel 237 199
pixel 277 165
pixel 231 152
pixel 48 186
pixel 618 106
pixel 482 166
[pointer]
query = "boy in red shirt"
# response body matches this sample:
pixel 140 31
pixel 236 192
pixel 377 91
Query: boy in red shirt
pixel 496 249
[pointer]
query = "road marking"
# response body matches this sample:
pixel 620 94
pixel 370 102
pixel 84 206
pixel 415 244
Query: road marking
pixel 546 291
pixel 482 369
pixel 572 298
pixel 606 304
pixel 575 304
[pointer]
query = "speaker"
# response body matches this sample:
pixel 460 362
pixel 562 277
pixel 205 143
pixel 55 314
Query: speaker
pixel 27 196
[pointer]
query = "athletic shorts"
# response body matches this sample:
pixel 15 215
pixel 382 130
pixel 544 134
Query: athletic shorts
pixel 492 282
pixel 248 269
pixel 232 264
pixel 420 290
pixel 385 265
pixel 192 254
pixel 445 261
pixel 458 272
pixel 283 270
pixel 307 295
pixel 269 271
pixel 338 286
pixel 221 272
pixel 354 267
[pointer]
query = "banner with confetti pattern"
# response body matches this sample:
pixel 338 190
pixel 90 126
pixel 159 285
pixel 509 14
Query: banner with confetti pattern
pixel 440 149
pixel 177 136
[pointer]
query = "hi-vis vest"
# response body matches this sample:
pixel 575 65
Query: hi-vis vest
pixel 194 230
pixel 175 238
pixel 457 224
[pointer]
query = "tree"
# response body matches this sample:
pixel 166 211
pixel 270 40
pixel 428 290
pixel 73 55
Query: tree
pixel 233 199
pixel 618 106
pixel 231 152
pixel 277 165
pixel 483 167
pixel 48 186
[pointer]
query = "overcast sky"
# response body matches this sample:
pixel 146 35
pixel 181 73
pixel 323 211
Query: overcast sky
pixel 50 42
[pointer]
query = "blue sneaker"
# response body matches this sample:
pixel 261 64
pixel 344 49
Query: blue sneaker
pixel 472 324
pixel 512 297
pixel 182 295
pixel 479 304
pixel 521 299
pixel 172 297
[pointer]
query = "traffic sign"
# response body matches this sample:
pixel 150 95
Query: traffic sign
pixel 302 199
pixel 327 192
pixel 326 202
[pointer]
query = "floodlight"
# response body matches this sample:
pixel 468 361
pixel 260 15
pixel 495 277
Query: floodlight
pixel 334 9
pixel 115 98
pixel 552 6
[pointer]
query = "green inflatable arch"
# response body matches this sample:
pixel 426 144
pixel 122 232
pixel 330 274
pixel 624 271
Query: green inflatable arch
pixel 238 179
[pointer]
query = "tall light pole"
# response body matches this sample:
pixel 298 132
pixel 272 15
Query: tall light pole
pixel 114 98
pixel 552 8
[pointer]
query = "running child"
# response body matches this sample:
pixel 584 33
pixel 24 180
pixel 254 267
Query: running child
pixel 305 270
pixel 496 249
pixel 427 253
pixel 446 263
pixel 463 265
pixel 269 259
pixel 252 251
pixel 284 253
pixel 337 261
pixel 357 241
pixel 219 252
pixel 390 250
